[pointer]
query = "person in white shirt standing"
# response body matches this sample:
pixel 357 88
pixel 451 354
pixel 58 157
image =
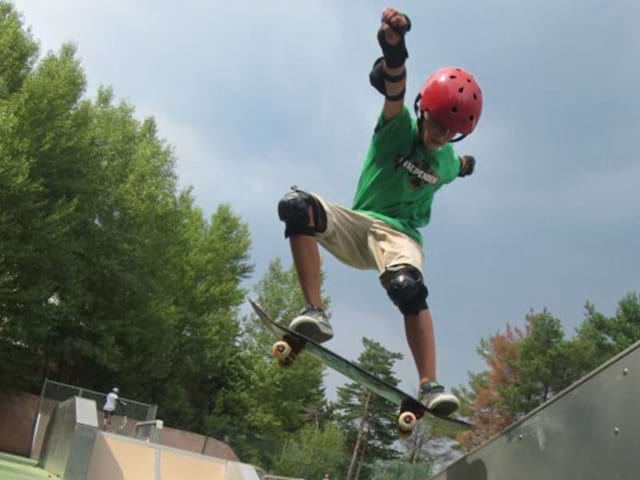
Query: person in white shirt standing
pixel 110 406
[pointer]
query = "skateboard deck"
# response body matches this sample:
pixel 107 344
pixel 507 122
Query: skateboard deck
pixel 291 344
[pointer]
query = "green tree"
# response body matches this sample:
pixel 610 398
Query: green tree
pixel 525 369
pixel 543 364
pixel 400 470
pixel 203 366
pixel 46 182
pixel 492 394
pixel 275 402
pixel 312 452
pixel 600 337
pixel 369 421
pixel 19 51
pixel 108 274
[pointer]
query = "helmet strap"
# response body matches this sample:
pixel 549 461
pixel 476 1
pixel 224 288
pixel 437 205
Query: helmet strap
pixel 418 113
pixel 415 106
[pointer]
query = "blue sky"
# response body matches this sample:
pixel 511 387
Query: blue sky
pixel 256 96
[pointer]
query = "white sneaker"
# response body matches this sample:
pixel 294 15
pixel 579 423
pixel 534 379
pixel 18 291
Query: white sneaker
pixel 313 323
pixel 433 396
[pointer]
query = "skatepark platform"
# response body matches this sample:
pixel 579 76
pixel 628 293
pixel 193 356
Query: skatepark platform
pixel 590 431
pixel 75 448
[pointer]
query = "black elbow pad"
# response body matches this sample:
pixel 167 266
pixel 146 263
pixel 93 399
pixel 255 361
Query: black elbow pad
pixel 376 77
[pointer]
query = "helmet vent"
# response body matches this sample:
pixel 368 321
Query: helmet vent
pixel 475 97
pixel 454 109
pixel 471 118
pixel 452 77
pixel 461 89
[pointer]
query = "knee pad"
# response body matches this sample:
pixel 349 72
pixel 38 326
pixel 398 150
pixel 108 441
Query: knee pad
pixel 293 210
pixel 406 289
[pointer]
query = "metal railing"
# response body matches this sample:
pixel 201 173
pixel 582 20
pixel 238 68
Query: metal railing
pixel 59 392
pixel 127 412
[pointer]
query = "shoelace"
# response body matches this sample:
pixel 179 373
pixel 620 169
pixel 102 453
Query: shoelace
pixel 431 387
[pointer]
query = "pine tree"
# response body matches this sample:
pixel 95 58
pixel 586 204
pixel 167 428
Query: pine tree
pixel 600 337
pixel 369 421
pixel 277 402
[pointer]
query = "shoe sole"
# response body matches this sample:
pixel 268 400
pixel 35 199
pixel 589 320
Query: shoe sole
pixel 312 331
pixel 444 407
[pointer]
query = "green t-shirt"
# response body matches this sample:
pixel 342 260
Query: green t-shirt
pixel 400 176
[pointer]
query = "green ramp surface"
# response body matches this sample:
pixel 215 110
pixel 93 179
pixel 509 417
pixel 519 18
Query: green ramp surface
pixel 13 467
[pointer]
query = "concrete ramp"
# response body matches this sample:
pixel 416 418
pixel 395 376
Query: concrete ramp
pixel 590 431
pixel 74 449
pixel 69 439
pixel 116 457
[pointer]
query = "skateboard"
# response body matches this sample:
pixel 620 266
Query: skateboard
pixel 290 344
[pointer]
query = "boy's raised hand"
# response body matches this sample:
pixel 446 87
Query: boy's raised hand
pixel 394 25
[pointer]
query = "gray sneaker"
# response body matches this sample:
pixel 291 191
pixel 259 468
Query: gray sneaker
pixel 313 323
pixel 433 396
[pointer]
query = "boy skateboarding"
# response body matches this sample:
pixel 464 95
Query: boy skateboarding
pixel 407 162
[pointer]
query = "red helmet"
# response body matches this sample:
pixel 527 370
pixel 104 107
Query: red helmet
pixel 453 99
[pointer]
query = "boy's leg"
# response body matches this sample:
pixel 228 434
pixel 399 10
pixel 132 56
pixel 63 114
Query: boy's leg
pixel 419 331
pixel 406 289
pixel 405 286
pixel 399 260
pixel 312 321
pixel 311 221
pixel 306 258
pixel 304 217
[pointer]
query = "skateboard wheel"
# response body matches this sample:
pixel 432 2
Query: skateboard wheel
pixel 406 422
pixel 282 351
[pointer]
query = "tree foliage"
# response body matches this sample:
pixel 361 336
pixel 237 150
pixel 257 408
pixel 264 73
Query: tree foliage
pixel 313 452
pixel 529 367
pixel 491 394
pixel 277 401
pixel 109 275
pixel 600 337
pixel 369 421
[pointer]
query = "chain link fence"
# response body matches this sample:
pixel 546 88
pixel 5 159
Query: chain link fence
pixel 127 414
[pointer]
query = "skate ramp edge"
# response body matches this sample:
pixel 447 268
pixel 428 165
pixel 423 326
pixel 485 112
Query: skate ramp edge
pixel 70 438
pixel 116 457
pixel 589 431
pixel 75 449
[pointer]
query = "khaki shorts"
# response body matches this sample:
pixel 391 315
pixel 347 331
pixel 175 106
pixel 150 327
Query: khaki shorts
pixel 366 243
